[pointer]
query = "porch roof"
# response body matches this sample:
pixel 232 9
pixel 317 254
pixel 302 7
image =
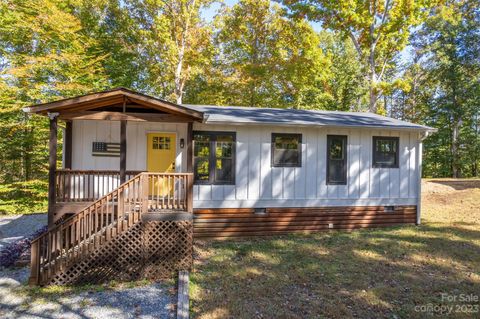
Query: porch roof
pixel 107 104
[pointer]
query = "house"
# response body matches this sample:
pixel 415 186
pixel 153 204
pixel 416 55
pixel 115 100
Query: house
pixel 238 170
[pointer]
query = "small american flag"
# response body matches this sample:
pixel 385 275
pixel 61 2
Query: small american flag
pixel 106 149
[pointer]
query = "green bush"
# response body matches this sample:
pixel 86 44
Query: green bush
pixel 23 197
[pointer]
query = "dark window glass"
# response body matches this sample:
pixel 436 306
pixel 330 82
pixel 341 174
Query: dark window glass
pixel 214 157
pixel 201 153
pixel 286 150
pixel 385 151
pixel 224 159
pixel 161 143
pixel 336 159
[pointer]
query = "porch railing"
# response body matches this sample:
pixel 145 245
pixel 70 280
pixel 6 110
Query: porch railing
pixel 86 185
pixel 169 191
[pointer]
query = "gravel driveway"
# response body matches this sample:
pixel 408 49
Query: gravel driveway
pixel 151 301
pixel 13 228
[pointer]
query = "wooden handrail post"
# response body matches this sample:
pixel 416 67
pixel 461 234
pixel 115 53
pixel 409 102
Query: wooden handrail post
pixel 34 264
pixel 120 209
pixel 190 193
pixel 144 182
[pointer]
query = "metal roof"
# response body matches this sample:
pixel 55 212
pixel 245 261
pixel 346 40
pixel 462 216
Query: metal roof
pixel 288 117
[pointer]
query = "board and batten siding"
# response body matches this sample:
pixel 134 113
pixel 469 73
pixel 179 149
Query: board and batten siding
pixel 257 184
pixel 260 185
pixel 89 131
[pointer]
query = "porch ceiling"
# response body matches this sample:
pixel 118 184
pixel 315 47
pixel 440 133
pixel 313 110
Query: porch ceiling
pixel 117 104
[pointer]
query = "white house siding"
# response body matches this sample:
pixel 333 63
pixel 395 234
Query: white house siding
pixel 259 185
pixel 87 132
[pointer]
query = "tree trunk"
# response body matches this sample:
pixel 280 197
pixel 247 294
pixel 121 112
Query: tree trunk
pixel 454 148
pixel 178 74
pixel 372 107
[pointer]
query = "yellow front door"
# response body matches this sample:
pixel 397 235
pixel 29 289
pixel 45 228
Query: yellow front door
pixel 161 153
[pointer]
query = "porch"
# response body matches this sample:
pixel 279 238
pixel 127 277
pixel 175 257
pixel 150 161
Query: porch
pixel 124 189
pixel 109 138
pixel 77 189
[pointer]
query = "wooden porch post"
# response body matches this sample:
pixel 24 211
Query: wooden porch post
pixel 190 148
pixel 190 167
pixel 123 151
pixel 68 145
pixel 52 166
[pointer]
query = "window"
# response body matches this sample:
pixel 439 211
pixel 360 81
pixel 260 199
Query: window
pixel 161 143
pixel 214 157
pixel 385 151
pixel 336 159
pixel 286 150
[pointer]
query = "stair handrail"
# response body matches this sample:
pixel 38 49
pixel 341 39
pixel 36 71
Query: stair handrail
pixel 60 246
pixel 76 218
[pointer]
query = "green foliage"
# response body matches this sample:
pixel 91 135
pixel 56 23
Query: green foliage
pixel 379 29
pixel 45 56
pixel 23 197
pixel 264 59
pixel 442 89
pixel 152 46
pixel 346 86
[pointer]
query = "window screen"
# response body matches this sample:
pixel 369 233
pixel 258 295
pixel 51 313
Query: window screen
pixel 385 151
pixel 286 150
pixel 214 157
pixel 336 159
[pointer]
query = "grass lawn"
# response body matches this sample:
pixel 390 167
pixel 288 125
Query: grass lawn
pixel 23 197
pixel 388 273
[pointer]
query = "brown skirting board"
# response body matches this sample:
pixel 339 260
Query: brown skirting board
pixel 239 222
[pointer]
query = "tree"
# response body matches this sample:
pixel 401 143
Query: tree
pixel 153 46
pixel 379 30
pixel 263 59
pixel 118 37
pixel 45 56
pixel 443 88
pixel 174 43
pixel 346 85
pixel 450 41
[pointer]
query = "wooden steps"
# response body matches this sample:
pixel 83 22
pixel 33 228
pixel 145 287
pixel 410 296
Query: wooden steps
pixel 91 236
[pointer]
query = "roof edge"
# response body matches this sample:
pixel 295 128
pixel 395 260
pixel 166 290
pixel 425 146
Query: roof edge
pixel 418 128
pixel 43 108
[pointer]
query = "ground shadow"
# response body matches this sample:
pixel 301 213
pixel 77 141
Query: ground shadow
pixel 18 301
pixel 458 184
pixel 367 274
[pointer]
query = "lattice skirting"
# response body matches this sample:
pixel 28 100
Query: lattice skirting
pixel 148 250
